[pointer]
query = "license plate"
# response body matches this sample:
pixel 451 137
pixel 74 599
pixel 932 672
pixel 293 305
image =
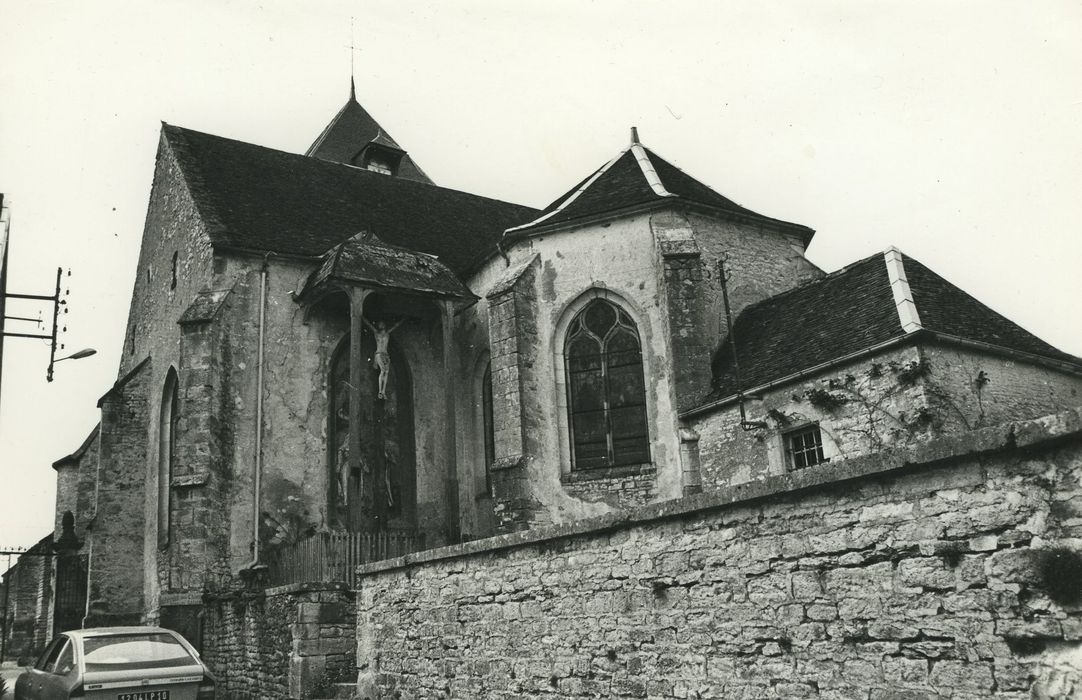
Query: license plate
pixel 145 695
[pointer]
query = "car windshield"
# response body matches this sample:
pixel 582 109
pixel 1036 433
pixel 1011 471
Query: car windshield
pixel 134 651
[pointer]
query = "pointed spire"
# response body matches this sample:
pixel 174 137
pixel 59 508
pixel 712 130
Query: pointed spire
pixel 352 88
pixel 634 135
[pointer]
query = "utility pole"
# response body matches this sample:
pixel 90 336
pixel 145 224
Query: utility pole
pixel 56 301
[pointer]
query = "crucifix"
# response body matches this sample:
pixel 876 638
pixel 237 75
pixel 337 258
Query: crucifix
pixel 382 357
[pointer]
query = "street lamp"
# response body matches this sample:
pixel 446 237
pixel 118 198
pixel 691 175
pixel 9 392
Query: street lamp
pixel 85 352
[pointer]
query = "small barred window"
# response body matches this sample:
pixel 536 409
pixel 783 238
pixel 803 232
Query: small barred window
pixel 804 447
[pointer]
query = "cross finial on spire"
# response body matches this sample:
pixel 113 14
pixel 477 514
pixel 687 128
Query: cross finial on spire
pixel 634 135
pixel 352 54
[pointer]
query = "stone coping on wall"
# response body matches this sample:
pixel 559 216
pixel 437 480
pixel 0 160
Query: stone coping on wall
pixel 598 474
pixel 290 589
pixel 1034 433
pixel 308 587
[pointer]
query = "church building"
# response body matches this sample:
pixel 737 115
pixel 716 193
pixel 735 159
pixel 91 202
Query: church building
pixel 331 345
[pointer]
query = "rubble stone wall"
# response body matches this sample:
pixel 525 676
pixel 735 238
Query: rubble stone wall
pixel 874 409
pixel 973 389
pixel 948 569
pixel 289 642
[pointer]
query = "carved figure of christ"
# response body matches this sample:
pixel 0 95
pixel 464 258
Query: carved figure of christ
pixel 383 358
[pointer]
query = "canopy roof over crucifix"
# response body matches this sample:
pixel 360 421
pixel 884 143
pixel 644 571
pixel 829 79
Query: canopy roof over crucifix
pixel 365 261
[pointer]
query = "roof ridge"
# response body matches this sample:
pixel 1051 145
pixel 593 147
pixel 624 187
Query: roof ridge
pixel 335 164
pixel 327 129
pixel 908 315
pixel 687 174
pixel 574 195
pixel 203 198
pixel 642 157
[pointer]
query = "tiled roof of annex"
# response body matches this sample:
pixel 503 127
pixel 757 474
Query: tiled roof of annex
pixel 857 308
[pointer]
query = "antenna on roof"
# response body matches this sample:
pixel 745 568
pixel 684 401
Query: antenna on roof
pixel 634 135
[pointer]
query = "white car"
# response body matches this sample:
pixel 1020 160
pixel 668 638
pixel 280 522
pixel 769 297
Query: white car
pixel 117 663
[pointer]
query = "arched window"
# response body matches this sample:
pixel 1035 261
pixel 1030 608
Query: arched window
pixel 167 441
pixel 606 392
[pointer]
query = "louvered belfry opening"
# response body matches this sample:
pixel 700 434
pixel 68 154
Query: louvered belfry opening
pixel 606 389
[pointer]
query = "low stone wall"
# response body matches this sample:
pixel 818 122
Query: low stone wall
pixel 950 570
pixel 287 642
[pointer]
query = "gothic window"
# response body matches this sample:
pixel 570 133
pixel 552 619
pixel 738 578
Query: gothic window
pixel 606 391
pixel 167 440
pixel 804 447
pixel 173 281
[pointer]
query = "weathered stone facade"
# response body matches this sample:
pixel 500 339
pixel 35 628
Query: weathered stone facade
pixel 894 398
pixel 944 570
pixel 314 349
pixel 28 593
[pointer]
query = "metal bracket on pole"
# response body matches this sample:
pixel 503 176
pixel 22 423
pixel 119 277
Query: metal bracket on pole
pixel 52 336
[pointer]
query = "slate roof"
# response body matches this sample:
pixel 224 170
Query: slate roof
pixel 638 177
pixel 366 260
pixel 264 200
pixel 851 310
pixel 350 131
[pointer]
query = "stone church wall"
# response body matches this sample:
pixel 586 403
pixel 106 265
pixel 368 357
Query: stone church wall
pixel 948 567
pixel 661 268
pixel 116 582
pixel 175 263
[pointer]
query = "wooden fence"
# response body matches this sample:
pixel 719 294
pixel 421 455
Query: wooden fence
pixel 334 556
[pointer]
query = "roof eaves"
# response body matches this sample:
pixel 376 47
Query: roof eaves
pixel 802 374
pixel 592 217
pixel 1067 366
pixel 532 228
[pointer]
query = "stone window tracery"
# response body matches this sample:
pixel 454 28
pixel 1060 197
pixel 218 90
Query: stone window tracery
pixel 606 389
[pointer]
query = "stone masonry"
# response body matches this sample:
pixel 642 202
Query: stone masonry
pixel 292 641
pixel 946 570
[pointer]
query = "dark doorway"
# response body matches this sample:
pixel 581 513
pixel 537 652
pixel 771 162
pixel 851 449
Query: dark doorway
pixel 70 593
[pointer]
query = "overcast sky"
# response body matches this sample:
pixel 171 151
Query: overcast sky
pixel 949 129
